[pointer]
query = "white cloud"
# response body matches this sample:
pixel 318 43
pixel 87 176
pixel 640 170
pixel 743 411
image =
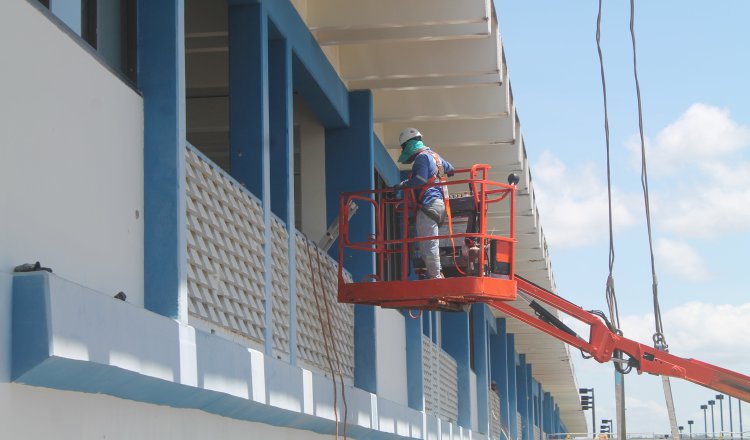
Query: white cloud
pixel 713 201
pixel 710 196
pixel 679 258
pixel 573 203
pixel 702 133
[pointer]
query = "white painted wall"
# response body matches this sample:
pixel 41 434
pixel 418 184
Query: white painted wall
pixel 390 335
pixel 42 413
pixel 313 162
pixel 71 173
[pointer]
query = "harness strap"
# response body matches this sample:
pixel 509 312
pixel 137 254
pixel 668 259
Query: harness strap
pixel 438 176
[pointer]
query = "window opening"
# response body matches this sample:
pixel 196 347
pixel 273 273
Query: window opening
pixel 392 269
pixel 108 26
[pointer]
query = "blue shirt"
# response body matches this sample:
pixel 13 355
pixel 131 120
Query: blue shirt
pixel 422 170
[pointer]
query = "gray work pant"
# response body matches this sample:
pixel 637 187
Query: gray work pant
pixel 428 227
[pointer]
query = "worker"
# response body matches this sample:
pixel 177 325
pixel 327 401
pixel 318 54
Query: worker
pixel 427 169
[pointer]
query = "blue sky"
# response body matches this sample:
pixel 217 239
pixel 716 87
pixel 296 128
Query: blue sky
pixel 693 64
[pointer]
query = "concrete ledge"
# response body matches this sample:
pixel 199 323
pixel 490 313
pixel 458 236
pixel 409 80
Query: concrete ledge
pixel 68 337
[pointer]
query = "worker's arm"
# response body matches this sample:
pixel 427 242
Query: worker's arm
pixel 448 168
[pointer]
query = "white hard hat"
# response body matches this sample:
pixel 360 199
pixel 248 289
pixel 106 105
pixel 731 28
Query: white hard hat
pixel 407 134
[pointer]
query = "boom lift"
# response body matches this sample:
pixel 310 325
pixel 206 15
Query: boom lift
pixel 479 268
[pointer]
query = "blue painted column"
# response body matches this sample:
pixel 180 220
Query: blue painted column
pixel 553 415
pixel 558 423
pixel 281 126
pixel 350 166
pixel 529 400
pixel 512 384
pixel 546 413
pixel 523 396
pixel 414 363
pixel 161 79
pixel 481 314
pixel 455 341
pixel 249 143
pixel 499 369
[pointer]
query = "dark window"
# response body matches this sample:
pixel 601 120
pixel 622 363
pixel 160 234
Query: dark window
pixel 392 262
pixel 109 26
pixel 89 22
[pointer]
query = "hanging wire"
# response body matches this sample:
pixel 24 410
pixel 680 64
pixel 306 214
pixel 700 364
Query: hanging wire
pixel 660 341
pixel 614 314
pixel 333 344
pixel 310 250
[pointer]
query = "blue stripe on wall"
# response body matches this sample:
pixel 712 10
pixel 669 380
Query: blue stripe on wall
pixel 30 327
pixel 481 316
pixel 512 382
pixel 314 77
pixel 350 167
pixel 281 115
pixel 248 96
pixel 455 341
pixel 414 363
pixel 161 79
pixel 499 368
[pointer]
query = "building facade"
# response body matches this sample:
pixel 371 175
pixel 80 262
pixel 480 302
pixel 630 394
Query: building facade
pixel 190 154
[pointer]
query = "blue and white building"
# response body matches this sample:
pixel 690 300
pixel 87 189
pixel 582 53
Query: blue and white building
pixel 190 153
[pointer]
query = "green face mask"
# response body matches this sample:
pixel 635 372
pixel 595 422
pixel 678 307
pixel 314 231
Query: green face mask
pixel 411 148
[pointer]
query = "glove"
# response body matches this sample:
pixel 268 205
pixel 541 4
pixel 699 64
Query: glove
pixel 399 186
pixel 451 174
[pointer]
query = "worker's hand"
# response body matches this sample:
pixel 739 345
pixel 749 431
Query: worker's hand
pixel 399 186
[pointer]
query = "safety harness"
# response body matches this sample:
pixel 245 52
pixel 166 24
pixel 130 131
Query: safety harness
pixel 438 176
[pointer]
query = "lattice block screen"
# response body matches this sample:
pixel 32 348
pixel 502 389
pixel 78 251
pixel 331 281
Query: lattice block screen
pixel 519 425
pixel 280 255
pixel 225 252
pixel 495 417
pixel 310 342
pixel 537 433
pixel 440 381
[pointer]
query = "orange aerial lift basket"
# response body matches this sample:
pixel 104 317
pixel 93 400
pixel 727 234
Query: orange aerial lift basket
pixel 477 262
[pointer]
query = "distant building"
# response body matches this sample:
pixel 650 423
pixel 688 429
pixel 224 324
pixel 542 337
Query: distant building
pixel 190 154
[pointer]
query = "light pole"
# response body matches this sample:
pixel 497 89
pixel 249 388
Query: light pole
pixel 739 408
pixel 680 428
pixel 587 402
pixel 720 398
pixel 711 403
pixel 705 422
pixel 690 428
pixel 609 422
pixel 731 425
